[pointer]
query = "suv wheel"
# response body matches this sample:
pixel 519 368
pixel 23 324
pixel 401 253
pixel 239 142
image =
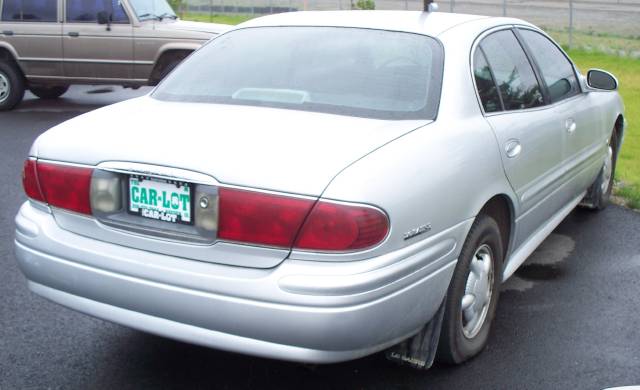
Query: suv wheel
pixel 11 86
pixel 473 293
pixel 49 92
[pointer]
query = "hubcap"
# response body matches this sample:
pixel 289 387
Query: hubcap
pixel 4 88
pixel 477 293
pixel 607 170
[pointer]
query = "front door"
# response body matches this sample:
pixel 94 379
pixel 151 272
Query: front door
pixel 93 51
pixel 585 134
pixel 32 28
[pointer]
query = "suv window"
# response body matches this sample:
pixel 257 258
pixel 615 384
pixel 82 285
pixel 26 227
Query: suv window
pixel 556 70
pixel 86 11
pixel 485 83
pixel 517 83
pixel 30 11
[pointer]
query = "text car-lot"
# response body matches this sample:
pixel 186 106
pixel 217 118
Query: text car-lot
pixel 321 186
pixel 47 45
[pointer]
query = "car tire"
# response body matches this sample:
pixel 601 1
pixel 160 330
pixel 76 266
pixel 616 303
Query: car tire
pixel 599 193
pixel 476 285
pixel 48 93
pixel 11 85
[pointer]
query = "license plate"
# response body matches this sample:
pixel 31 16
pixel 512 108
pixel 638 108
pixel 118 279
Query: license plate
pixel 161 200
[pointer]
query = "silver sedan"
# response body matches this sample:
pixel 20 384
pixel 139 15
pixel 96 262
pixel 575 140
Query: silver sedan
pixel 321 186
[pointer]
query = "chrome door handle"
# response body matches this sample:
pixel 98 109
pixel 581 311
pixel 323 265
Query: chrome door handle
pixel 570 125
pixel 512 148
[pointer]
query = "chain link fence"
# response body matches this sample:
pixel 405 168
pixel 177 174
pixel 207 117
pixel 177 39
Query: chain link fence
pixel 610 26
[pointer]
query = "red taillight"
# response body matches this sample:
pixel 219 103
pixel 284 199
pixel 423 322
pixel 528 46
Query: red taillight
pixel 30 181
pixel 260 218
pixel 276 220
pixel 342 227
pixel 66 186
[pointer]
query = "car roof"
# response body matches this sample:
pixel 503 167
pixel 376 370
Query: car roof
pixel 428 23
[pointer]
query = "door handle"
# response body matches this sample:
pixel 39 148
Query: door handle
pixel 570 125
pixel 512 148
pixel 74 34
pixel 7 32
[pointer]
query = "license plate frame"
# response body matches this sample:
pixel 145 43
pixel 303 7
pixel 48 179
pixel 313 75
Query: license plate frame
pixel 161 214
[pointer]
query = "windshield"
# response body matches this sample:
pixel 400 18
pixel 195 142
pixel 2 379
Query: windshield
pixel 152 9
pixel 347 71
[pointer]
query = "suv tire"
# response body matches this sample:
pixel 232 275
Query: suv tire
pixel 49 92
pixel 11 85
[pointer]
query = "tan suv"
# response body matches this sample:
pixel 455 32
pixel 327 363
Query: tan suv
pixel 47 45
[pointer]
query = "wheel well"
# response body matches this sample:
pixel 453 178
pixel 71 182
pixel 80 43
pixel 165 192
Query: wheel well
pixel 5 55
pixel 500 208
pixel 165 59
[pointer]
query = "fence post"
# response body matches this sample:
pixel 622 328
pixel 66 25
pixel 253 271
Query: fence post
pixel 570 24
pixel 451 4
pixel 504 7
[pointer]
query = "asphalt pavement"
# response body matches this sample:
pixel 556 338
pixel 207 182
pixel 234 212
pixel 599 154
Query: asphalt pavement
pixel 569 319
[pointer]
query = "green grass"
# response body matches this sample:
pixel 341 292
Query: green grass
pixel 591 41
pixel 627 70
pixel 217 18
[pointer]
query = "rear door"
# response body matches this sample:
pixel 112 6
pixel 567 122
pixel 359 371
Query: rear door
pixel 32 28
pixel 95 51
pixel 527 130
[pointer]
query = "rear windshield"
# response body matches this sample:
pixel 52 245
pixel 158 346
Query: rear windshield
pixel 346 71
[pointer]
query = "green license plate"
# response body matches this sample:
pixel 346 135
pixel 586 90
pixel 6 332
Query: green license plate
pixel 160 200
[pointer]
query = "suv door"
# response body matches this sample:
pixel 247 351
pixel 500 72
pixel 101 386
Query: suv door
pixel 32 28
pixel 580 115
pixel 514 104
pixel 98 52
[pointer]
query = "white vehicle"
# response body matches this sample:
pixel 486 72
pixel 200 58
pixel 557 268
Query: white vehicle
pixel 321 186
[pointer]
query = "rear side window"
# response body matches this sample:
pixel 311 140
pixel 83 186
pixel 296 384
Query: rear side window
pixel 485 83
pixel 30 11
pixel 514 76
pixel 556 69
pixel 86 11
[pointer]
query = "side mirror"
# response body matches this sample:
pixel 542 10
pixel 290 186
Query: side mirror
pixel 104 18
pixel 599 79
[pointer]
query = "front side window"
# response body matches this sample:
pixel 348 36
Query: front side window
pixel 86 11
pixel 346 71
pixel 556 69
pixel 512 71
pixel 30 11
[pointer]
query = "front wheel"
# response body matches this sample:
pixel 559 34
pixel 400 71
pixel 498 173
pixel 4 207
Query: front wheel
pixel 11 86
pixel 600 192
pixel 48 93
pixel 473 293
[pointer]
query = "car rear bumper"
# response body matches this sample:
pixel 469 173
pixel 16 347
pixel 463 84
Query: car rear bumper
pixel 300 311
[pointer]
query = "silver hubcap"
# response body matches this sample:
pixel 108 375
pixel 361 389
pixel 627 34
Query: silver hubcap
pixel 607 170
pixel 4 88
pixel 477 292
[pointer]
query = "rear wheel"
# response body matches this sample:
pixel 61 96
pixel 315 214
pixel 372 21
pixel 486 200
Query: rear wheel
pixel 473 293
pixel 11 85
pixel 49 92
